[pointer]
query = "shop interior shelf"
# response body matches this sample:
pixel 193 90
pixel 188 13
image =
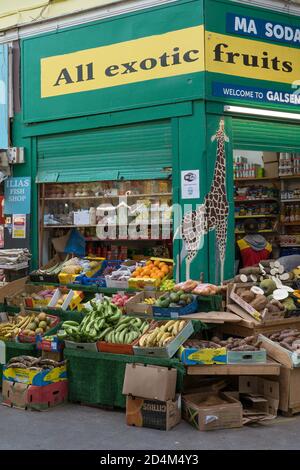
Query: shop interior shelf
pixel 289 177
pixel 291 223
pixel 262 199
pixel 259 231
pixel 262 216
pixel 264 178
pixel 89 225
pixel 270 368
pixel 288 201
pixel 67 198
pixel 289 246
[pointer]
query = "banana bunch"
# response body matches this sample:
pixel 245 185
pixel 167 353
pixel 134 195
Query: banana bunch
pixel 127 330
pixel 10 330
pixel 162 335
pixel 150 301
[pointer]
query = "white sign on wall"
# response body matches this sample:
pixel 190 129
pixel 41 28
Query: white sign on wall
pixel 190 184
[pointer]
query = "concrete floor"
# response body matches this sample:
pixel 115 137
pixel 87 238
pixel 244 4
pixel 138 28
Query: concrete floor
pixel 80 427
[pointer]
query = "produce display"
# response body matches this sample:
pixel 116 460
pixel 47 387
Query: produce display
pixel 34 363
pixel 167 284
pixel 174 299
pixel 120 299
pixel 288 338
pixel 44 295
pixel 161 335
pixel 150 300
pixel 37 325
pixel 262 298
pixel 29 325
pixel 104 321
pixel 78 266
pixel 250 343
pixel 153 270
pixel 198 288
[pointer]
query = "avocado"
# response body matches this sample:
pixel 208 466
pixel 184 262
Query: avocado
pixel 189 299
pixel 184 297
pixel 165 303
pixel 180 292
pixel 174 297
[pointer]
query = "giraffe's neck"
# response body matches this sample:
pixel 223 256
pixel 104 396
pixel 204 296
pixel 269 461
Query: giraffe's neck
pixel 220 162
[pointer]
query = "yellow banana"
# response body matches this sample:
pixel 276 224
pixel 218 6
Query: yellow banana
pixel 169 324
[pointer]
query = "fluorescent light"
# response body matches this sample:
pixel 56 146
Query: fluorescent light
pixel 261 112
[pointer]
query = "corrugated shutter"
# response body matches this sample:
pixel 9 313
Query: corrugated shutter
pixel 136 151
pixel 250 134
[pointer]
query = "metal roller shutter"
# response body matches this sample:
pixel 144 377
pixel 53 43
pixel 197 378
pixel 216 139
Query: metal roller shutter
pixel 135 151
pixel 250 134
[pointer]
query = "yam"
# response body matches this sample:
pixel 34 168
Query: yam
pixel 250 270
pixel 286 346
pixel 259 303
pixel 248 296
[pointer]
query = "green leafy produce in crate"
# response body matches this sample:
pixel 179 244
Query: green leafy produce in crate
pixel 103 321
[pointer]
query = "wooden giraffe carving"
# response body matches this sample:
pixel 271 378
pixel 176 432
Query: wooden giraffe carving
pixel 212 214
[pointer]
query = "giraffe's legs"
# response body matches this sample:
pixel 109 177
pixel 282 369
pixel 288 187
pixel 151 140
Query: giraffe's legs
pixel 220 231
pixel 188 261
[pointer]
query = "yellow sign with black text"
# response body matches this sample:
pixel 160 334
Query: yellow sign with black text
pixel 153 57
pixel 251 59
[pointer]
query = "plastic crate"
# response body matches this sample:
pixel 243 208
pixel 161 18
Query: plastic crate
pixel 210 303
pixel 175 312
pixel 98 279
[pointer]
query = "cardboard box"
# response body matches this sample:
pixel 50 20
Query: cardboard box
pixel 54 345
pixel 259 396
pixel 24 396
pixel 147 381
pixel 279 353
pixel 209 411
pixel 171 348
pixel 289 386
pixel 270 160
pixel 55 356
pixel 192 356
pixel 154 414
pixel 35 377
pixel 137 305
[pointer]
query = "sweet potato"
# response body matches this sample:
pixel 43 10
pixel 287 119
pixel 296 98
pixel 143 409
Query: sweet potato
pixel 248 296
pixel 259 303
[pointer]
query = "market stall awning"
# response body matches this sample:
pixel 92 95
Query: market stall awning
pixel 17 13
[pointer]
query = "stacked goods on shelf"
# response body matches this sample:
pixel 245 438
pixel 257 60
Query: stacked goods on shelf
pixel 289 164
pixel 34 383
pixel 152 273
pixel 255 193
pixel 242 168
pixel 259 209
pixel 14 257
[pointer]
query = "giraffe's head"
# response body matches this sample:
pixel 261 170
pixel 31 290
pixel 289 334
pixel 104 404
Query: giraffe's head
pixel 220 134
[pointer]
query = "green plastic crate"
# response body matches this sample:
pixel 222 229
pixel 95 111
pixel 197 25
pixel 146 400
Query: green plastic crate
pixel 210 303
pixel 97 378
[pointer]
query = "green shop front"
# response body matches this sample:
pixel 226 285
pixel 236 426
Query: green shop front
pixel 152 109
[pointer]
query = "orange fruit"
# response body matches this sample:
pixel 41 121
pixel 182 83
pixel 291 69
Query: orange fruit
pixel 156 262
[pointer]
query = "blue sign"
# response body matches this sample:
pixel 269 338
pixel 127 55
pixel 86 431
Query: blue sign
pixel 262 29
pixel 17 192
pixel 3 96
pixel 255 94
